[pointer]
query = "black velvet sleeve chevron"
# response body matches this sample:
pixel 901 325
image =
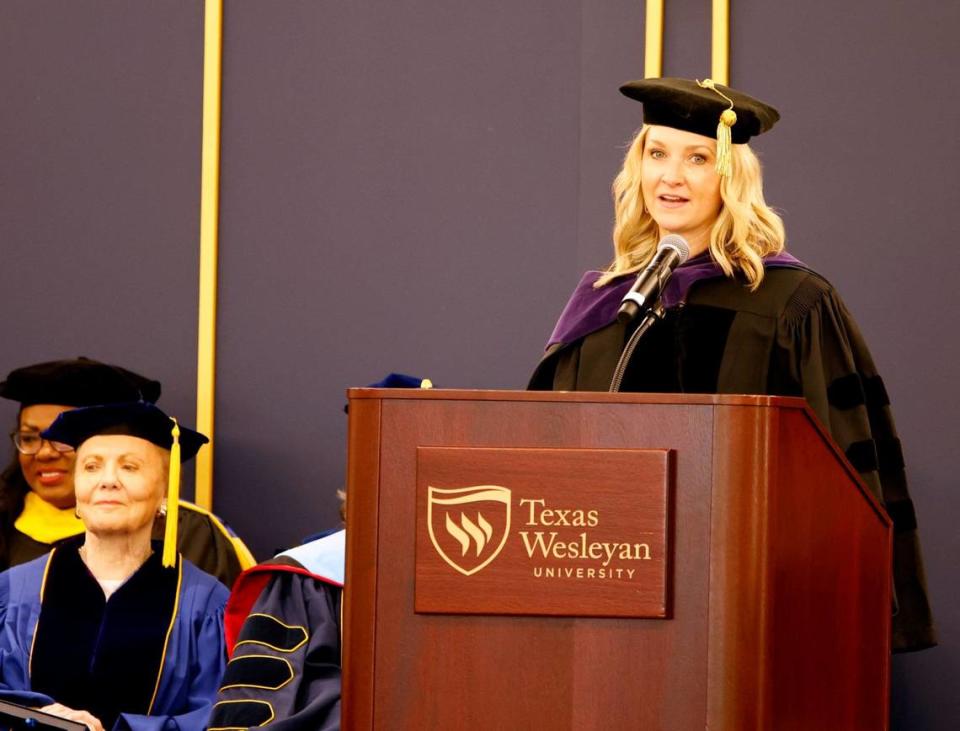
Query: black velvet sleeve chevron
pixel 836 373
pixel 285 672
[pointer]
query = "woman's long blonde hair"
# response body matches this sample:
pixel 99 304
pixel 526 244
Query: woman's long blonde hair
pixel 746 230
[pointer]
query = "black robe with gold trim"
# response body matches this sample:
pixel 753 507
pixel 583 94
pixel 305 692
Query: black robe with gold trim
pixel 791 337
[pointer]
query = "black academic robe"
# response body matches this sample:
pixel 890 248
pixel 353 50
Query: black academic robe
pixel 793 337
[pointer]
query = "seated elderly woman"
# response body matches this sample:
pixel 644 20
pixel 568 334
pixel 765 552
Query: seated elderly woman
pixel 36 489
pixel 103 629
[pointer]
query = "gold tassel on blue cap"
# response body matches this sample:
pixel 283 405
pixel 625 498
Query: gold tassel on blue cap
pixel 724 143
pixel 173 500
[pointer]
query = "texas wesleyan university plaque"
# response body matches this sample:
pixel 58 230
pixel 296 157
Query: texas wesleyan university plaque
pixel 567 532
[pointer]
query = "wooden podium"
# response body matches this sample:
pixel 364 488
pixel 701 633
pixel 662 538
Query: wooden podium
pixel 533 560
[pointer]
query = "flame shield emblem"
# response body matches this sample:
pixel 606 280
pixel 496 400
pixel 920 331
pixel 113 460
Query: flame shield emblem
pixel 468 525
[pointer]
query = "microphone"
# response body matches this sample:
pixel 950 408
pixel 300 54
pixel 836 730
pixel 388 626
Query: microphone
pixel 672 251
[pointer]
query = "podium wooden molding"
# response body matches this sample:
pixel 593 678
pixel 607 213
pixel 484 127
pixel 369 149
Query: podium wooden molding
pixel 779 574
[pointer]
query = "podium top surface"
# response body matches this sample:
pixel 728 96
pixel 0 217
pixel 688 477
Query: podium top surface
pixel 602 397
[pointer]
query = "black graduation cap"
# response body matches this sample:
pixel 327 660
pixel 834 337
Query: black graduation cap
pixel 77 382
pixel 705 108
pixel 134 418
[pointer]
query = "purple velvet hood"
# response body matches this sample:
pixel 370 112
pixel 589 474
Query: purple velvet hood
pixel 590 309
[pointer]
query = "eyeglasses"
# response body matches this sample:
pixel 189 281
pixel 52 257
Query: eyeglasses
pixel 28 442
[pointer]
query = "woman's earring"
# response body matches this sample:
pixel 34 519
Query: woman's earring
pixel 163 510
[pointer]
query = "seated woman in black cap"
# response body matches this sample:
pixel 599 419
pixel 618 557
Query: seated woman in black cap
pixel 110 629
pixel 740 315
pixel 36 488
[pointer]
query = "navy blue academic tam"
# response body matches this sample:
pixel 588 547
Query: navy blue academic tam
pixel 401 380
pixel 135 418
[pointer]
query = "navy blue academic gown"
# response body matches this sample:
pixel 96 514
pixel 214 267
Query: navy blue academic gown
pixel 283 623
pixel 149 658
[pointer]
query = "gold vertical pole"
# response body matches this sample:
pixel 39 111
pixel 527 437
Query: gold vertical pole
pixel 209 215
pixel 653 44
pixel 720 67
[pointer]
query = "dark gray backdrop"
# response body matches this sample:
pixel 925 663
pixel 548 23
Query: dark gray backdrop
pixel 417 186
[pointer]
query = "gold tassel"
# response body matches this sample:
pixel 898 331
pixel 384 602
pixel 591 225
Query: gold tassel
pixel 724 144
pixel 173 501
pixel 724 137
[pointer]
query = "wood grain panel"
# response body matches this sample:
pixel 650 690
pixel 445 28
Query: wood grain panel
pixel 800 580
pixel 360 592
pixel 551 672
pixel 564 532
pixel 830 577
